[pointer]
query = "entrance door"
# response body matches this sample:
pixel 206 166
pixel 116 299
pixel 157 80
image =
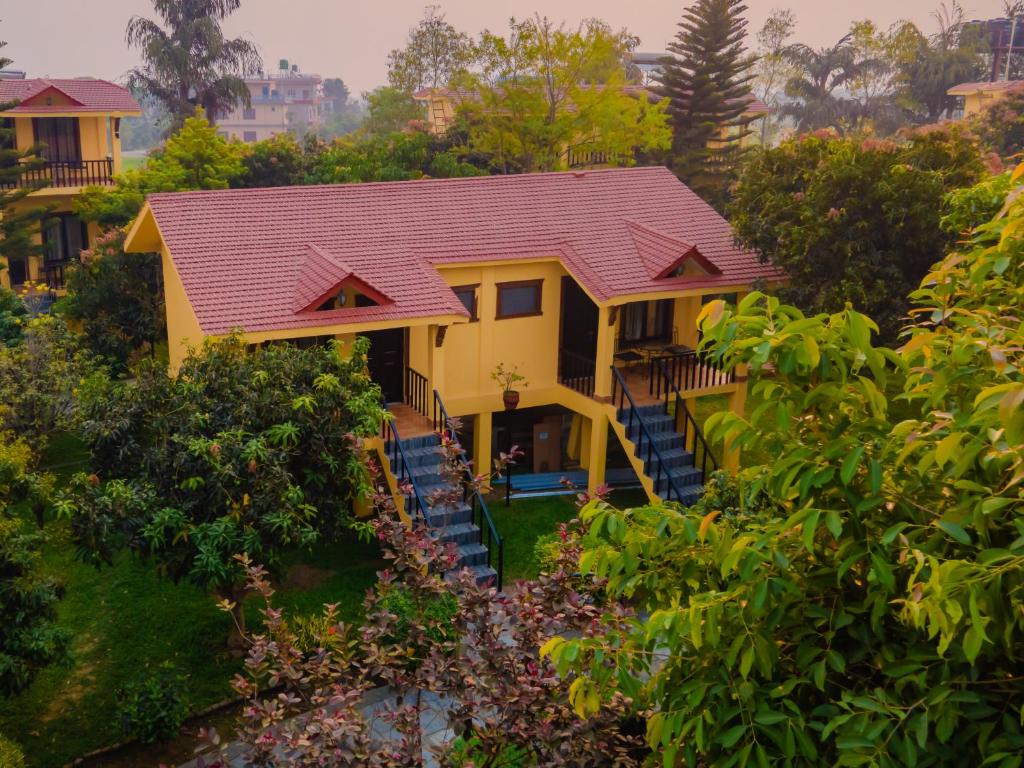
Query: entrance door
pixel 577 338
pixel 386 361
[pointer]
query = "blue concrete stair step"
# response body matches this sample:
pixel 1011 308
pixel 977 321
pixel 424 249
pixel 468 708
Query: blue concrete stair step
pixel 450 523
pixel 678 461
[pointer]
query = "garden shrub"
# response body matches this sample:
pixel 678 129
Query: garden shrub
pixel 154 705
pixel 878 617
pixel 11 755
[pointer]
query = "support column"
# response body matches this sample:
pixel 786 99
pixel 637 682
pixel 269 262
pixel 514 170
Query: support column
pixel 598 452
pixel 684 320
pixel 436 357
pixel 606 331
pixel 482 441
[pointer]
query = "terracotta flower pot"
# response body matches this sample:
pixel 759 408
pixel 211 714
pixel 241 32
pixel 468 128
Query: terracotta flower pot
pixel 511 398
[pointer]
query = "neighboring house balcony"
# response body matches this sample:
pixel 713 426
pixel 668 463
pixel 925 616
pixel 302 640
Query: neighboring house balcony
pixel 64 174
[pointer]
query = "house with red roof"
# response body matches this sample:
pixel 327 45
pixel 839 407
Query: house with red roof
pixel 76 123
pixel 587 284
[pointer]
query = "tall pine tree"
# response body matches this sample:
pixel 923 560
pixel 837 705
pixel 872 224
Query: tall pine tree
pixel 19 225
pixel 707 82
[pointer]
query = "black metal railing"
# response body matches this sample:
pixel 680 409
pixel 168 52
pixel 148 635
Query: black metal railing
pixel 686 425
pixel 53 274
pixel 695 369
pixel 577 372
pixel 407 485
pixel 65 173
pixel 471 495
pixel 646 449
pixel 583 158
pixel 416 390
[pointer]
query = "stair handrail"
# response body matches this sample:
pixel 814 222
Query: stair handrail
pixel 619 382
pixel 475 499
pixel 400 461
pixel 688 420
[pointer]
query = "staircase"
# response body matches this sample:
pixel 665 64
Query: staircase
pixel 417 461
pixel 670 467
pixel 666 442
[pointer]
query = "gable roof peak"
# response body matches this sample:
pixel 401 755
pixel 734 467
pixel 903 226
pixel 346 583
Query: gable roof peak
pixel 663 254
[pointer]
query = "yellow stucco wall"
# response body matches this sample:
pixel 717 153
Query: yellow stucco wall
pixel 182 326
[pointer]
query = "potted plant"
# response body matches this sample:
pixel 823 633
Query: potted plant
pixel 507 379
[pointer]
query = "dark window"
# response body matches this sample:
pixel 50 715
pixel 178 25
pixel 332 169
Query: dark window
pixel 467 295
pixel 8 139
pixel 519 299
pixel 17 269
pixel 64 238
pixel 249 114
pixel 249 136
pixel 266 91
pixel 60 137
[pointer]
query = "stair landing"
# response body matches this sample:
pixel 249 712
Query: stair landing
pixel 410 422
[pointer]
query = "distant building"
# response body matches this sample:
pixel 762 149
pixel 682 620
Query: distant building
pixel 76 124
pixel 280 102
pixel 972 98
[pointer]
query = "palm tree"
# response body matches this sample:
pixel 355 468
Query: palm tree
pixel 822 73
pixel 188 61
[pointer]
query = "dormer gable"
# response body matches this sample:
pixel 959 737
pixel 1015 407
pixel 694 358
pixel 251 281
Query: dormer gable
pixel 324 283
pixel 666 257
pixel 49 95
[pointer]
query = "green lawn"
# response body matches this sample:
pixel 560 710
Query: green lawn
pixel 130 162
pixel 125 619
pixel 528 519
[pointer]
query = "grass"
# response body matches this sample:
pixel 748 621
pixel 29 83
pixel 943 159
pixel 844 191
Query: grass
pixel 521 524
pixel 131 162
pixel 126 619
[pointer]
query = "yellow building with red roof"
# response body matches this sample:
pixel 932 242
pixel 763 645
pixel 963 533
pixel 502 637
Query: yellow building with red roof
pixel 77 124
pixel 587 283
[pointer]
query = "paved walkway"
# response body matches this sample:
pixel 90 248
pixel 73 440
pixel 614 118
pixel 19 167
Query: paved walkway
pixel 433 722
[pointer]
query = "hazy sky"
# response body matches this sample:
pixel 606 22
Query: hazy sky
pixel 351 38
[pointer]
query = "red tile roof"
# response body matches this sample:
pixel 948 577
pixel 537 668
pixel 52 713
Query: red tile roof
pixel 86 94
pixel 965 89
pixel 244 255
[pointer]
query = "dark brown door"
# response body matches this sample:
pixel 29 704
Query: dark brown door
pixel 386 361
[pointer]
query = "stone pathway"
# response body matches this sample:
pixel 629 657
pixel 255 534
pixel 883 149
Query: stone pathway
pixel 433 722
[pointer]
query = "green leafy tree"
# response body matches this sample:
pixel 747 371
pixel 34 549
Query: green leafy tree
pixel 773 67
pixel 395 157
pixel 195 157
pixel 30 639
pixel 389 110
pixel 13 315
pixel 243 451
pixel 274 162
pixel 188 60
pixel 707 81
pixel 1001 126
pixel 546 91
pixel 433 55
pixel 116 300
pixel 816 91
pixel 149 129
pixel 39 378
pixel 956 53
pixel 19 225
pixel 853 220
pixel 873 614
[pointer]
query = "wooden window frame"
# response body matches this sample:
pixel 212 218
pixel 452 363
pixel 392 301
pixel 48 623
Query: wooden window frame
pixel 539 284
pixel 474 313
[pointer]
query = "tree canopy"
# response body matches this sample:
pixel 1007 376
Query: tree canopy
pixel 853 220
pixel 707 82
pixel 547 91
pixel 242 451
pixel 188 62
pixel 433 55
pixel 863 604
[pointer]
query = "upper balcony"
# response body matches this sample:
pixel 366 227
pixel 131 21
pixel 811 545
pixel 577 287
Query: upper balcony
pixel 65 174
